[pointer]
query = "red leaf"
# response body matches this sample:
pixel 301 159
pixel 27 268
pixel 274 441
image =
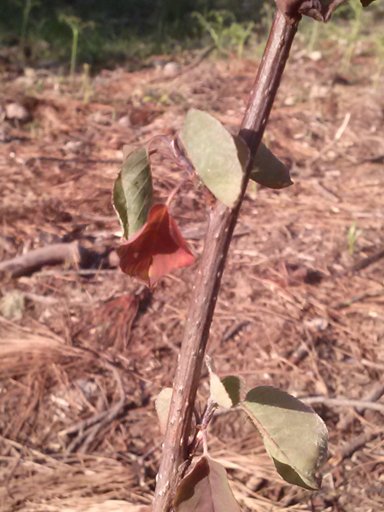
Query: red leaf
pixel 156 249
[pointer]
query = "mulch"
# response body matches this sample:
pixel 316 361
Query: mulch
pixel 85 349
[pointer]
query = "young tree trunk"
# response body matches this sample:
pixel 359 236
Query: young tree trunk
pixel 221 225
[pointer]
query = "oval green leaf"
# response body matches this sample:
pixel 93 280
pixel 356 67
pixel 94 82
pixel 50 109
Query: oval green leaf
pixel 268 170
pixel 218 393
pixel 293 434
pixel 213 153
pixel 205 489
pixel 132 191
pixel 232 385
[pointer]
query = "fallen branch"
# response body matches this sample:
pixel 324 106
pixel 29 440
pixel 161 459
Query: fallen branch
pixel 71 253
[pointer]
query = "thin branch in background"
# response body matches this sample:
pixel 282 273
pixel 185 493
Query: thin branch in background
pixel 343 402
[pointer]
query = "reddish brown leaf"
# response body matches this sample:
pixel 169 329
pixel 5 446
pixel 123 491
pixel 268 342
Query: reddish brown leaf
pixel 156 249
pixel 205 489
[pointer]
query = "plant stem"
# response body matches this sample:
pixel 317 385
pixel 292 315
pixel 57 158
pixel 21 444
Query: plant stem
pixel 207 284
pixel 24 24
pixel 75 42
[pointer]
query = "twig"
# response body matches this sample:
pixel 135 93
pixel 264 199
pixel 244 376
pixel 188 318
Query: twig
pixel 235 329
pixel 375 393
pixel 75 160
pixel 357 442
pixel 90 427
pixel 217 241
pixel 33 260
pixel 339 133
pixel 71 253
pixel 87 272
pixel 369 260
pixel 357 298
pixel 343 402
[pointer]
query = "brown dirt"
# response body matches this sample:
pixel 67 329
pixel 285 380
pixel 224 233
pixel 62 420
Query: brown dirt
pixel 296 310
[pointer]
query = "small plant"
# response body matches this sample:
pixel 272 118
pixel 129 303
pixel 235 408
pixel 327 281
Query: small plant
pixel 76 25
pixel 28 6
pixel 86 86
pixel 379 45
pixel 224 31
pixel 293 435
pixel 352 237
pixel 353 32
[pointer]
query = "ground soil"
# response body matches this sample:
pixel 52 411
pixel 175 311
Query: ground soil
pixel 85 349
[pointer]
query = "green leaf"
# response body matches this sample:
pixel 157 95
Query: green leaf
pixel 213 153
pixel 223 392
pixel 293 434
pixel 268 170
pixel 132 191
pixel 243 153
pixel 205 489
pixel 162 405
pixel 218 393
pixel 232 385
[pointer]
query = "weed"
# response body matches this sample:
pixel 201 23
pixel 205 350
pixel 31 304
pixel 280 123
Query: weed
pixel 76 25
pixel 353 34
pixel 379 48
pixel 224 30
pixel 352 237
pixel 86 84
pixel 28 6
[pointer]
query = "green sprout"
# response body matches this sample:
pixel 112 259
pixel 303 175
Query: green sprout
pixel 224 31
pixel 352 237
pixel 28 6
pixel 77 26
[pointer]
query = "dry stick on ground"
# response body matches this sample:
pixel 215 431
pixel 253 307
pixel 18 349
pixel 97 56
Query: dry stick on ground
pixel 343 402
pixel 71 253
pixel 217 241
pixel 34 260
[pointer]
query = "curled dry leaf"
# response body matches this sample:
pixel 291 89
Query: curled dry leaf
pixel 156 249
